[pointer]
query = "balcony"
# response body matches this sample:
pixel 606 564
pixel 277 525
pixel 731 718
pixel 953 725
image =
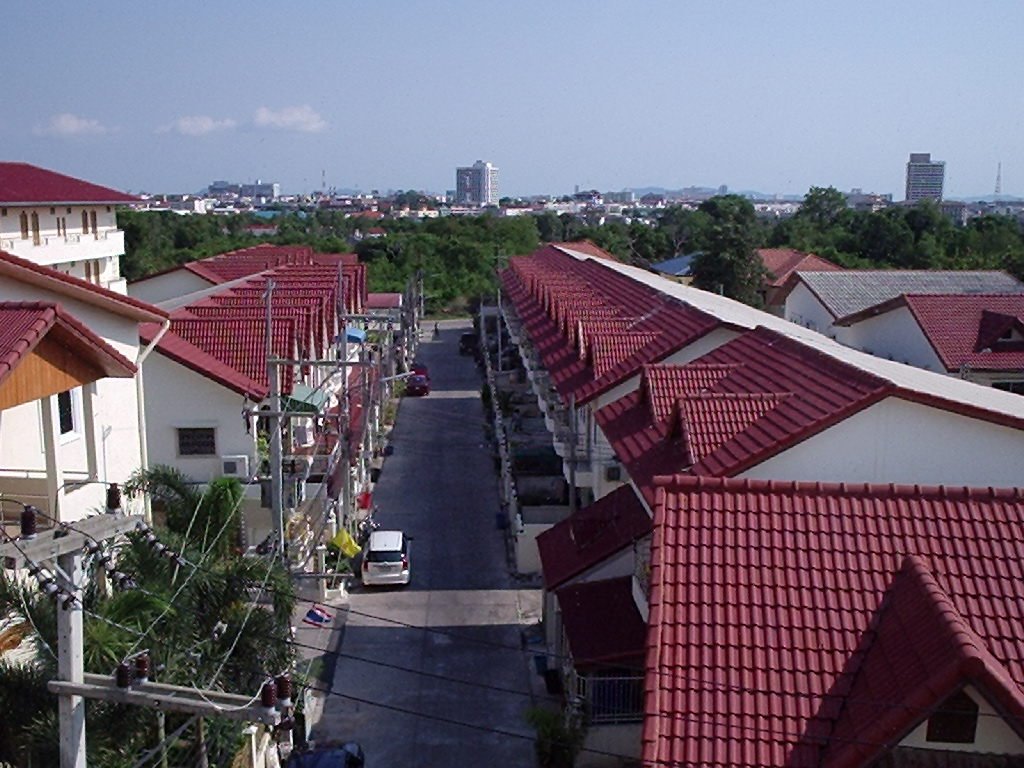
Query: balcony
pixel 61 249
pixel 611 699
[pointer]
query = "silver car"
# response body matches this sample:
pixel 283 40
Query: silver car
pixel 386 559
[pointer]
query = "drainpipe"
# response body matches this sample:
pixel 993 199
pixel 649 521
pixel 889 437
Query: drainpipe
pixel 140 402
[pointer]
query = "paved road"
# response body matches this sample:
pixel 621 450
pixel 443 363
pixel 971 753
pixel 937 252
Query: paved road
pixel 457 676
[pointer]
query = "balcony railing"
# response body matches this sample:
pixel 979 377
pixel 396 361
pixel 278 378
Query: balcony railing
pixel 608 699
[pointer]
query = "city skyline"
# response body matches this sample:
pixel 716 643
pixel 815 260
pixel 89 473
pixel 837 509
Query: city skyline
pixel 775 99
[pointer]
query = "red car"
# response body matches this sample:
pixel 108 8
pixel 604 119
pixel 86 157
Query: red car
pixel 417 385
pixel 421 369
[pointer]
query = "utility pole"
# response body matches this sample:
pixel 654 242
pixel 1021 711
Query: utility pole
pixel 276 458
pixel 66 546
pixel 572 453
pixel 497 327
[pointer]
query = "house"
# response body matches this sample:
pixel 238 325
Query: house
pixel 71 395
pixel 813 624
pixel 63 223
pixel 974 336
pixel 827 301
pixel 214 380
pixel 639 376
pixel 780 264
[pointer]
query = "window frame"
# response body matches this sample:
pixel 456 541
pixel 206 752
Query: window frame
pixel 194 429
pixel 75 414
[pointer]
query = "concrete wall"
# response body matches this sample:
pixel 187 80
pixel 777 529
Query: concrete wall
pixel 897 441
pixel 624 739
pixel 170 285
pixel 894 335
pixel 803 308
pixel 177 397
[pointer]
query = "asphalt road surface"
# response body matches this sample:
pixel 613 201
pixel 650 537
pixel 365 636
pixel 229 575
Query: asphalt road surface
pixel 432 674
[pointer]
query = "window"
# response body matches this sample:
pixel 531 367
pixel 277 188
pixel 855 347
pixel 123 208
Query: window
pixel 1016 387
pixel 955 721
pixel 92 222
pixel 53 211
pixel 66 412
pixel 196 441
pixel 36 238
pixel 85 222
pixel 24 225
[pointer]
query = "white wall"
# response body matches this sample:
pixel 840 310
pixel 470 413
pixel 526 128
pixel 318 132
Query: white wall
pixel 894 335
pixel 803 308
pixel 993 735
pixel 170 285
pixel 116 414
pixel 897 441
pixel 177 397
pixel 57 249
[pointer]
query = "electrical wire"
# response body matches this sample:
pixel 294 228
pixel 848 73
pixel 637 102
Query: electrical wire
pixel 167 740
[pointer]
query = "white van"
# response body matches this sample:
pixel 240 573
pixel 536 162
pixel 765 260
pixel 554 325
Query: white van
pixel 386 559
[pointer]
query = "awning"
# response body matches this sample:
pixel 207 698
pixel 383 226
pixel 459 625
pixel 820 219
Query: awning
pixel 355 335
pixel 305 398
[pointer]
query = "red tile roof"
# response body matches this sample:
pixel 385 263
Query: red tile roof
pixel 23 324
pixel 25 271
pixel 593 639
pixel 586 247
pixel 732 408
pixel 967 330
pixel 782 262
pixel 768 597
pixel 192 357
pixel 240 344
pixel 580 315
pixel 591 535
pixel 919 650
pixel 21 183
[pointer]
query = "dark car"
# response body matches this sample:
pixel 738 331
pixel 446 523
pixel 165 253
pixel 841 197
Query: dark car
pixel 417 385
pixel 421 369
pixel 468 343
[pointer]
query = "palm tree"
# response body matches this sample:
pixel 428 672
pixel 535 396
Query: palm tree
pixel 219 621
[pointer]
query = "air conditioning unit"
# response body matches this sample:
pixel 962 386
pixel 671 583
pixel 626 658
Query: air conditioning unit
pixel 613 473
pixel 234 466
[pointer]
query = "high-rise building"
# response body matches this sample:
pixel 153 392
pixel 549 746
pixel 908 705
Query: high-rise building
pixel 477 184
pixel 924 177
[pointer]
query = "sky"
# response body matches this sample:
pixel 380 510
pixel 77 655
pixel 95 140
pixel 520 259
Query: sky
pixel 768 96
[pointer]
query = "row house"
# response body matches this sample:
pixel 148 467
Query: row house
pixel 214 380
pixel 718 390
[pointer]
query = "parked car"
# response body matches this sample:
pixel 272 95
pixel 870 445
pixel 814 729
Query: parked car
pixel 421 369
pixel 386 559
pixel 468 343
pixel 417 385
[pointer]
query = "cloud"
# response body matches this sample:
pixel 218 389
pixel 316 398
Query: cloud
pixel 304 119
pixel 198 125
pixel 66 124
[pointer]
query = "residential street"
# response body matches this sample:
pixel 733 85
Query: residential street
pixel 432 674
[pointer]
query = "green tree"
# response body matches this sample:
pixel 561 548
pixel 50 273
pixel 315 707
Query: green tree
pixel 728 263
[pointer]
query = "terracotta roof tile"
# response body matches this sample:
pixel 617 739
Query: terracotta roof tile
pixel 762 592
pixel 32 185
pixel 782 262
pixel 591 535
pixel 968 330
pixel 780 392
pixel 23 324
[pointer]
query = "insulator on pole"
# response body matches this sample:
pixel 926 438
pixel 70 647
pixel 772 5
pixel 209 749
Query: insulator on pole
pixel 142 668
pixel 123 675
pixel 268 696
pixel 283 683
pixel 28 522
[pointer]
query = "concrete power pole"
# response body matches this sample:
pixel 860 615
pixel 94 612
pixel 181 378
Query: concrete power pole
pixel 276 458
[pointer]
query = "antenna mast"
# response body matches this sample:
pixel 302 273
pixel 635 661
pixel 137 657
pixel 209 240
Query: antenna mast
pixel 999 178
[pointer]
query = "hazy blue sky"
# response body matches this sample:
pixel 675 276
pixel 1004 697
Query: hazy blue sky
pixel 772 96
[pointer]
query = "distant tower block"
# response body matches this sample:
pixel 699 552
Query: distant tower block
pixel 924 178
